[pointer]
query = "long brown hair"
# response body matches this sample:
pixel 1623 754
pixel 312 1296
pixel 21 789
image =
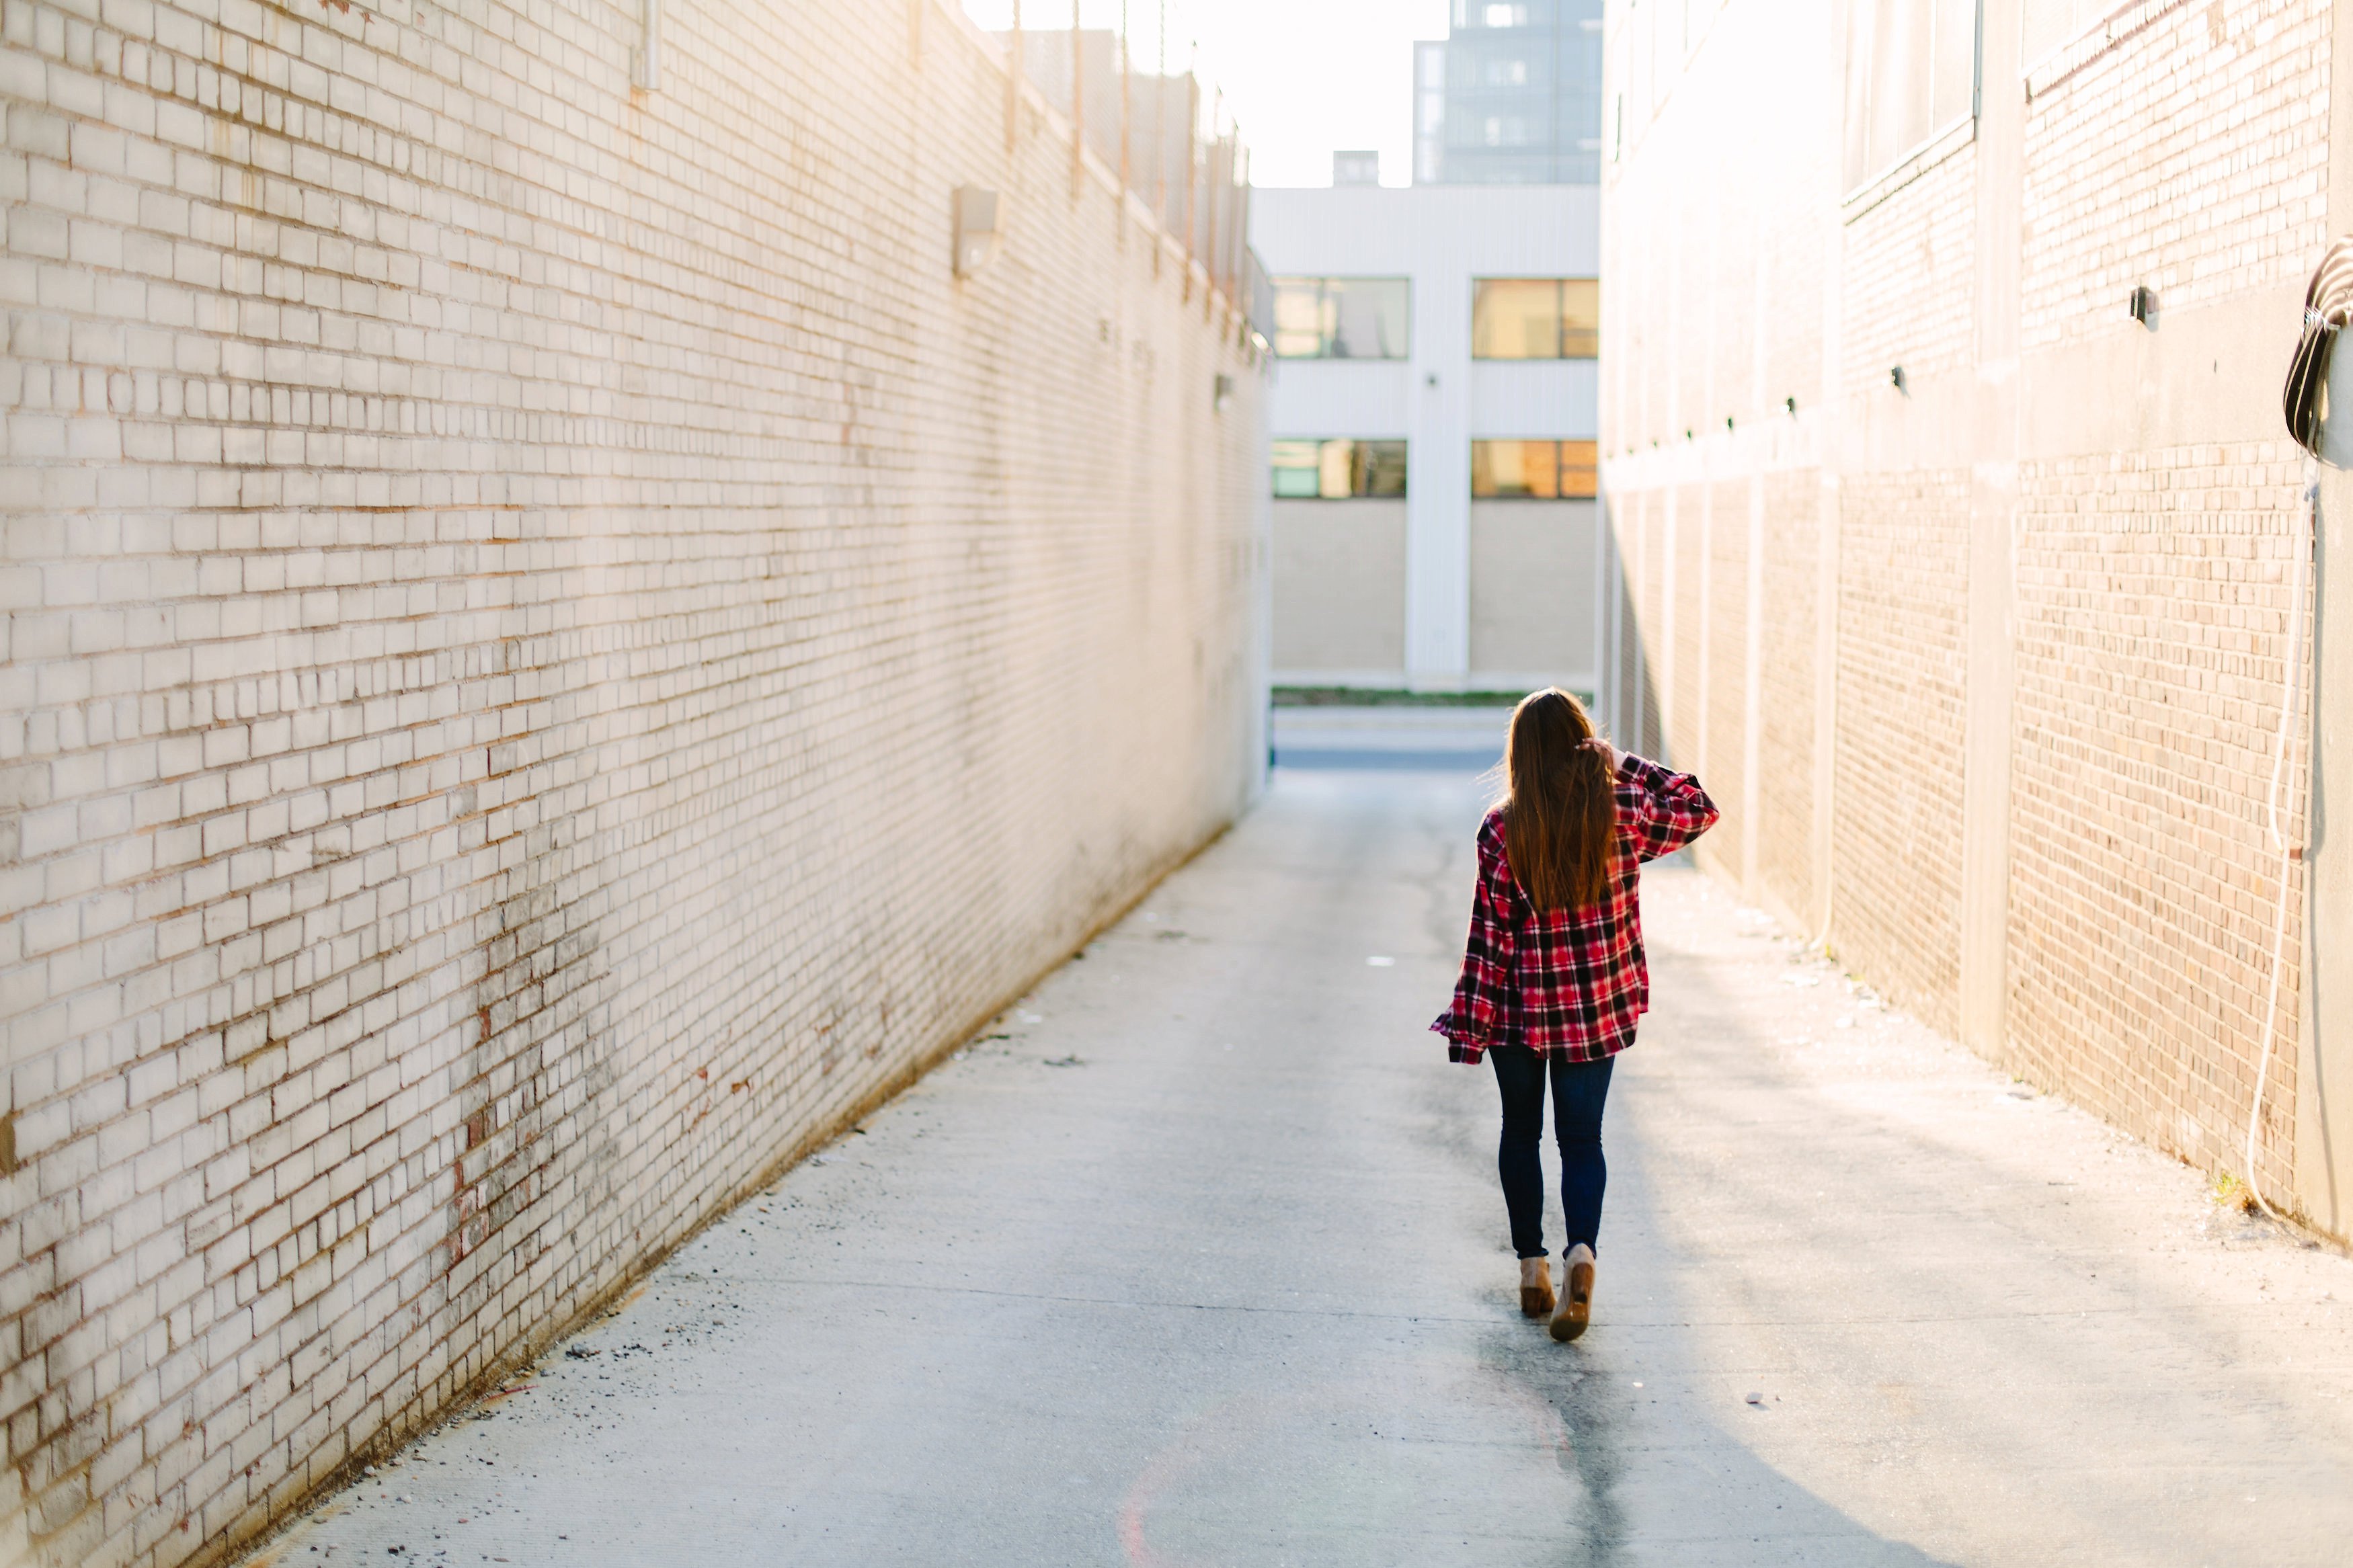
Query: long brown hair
pixel 1560 804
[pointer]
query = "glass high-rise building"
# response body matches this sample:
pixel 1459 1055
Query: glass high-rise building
pixel 1512 96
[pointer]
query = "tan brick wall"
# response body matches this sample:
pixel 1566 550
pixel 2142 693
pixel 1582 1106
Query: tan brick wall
pixel 1533 593
pixel 2131 616
pixel 1895 851
pixel 1687 539
pixel 1338 584
pixel 1726 614
pixel 552 652
pixel 1714 292
pixel 2151 611
pixel 2151 590
pixel 1787 719
pixel 1904 295
pixel 2194 159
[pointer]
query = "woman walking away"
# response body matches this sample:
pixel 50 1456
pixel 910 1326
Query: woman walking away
pixel 1553 976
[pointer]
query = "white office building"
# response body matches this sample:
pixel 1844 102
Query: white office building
pixel 1433 416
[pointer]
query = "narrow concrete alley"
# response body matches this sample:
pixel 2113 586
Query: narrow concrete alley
pixel 1196 1257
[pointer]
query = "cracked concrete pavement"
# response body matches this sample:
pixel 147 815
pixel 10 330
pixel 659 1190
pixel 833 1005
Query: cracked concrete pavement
pixel 1196 1257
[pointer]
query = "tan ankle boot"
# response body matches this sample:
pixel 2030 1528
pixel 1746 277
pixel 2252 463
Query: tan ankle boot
pixel 1535 1286
pixel 1577 1298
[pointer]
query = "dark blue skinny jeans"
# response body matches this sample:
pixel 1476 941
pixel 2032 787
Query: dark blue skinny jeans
pixel 1579 1090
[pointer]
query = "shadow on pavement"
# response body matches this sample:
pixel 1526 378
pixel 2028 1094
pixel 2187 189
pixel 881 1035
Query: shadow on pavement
pixel 1654 1476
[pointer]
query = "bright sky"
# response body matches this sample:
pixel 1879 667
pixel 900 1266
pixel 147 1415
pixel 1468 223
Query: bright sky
pixel 1305 77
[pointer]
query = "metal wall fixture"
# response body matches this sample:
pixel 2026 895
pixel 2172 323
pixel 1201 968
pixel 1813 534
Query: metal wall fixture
pixel 978 228
pixel 2142 306
pixel 1895 379
pixel 1222 393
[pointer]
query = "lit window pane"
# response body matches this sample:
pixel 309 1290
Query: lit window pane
pixel 1382 469
pixel 1369 318
pixel 1581 471
pixel 1301 325
pixel 1338 469
pixel 1295 470
pixel 1515 317
pixel 1340 318
pixel 1911 74
pixel 1580 318
pixel 1483 469
pixel 1533 470
pixel 1514 470
pixel 1535 318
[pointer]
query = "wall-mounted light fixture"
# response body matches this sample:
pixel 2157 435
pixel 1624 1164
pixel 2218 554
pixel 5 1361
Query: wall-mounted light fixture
pixel 2142 306
pixel 1790 404
pixel 1896 378
pixel 1221 395
pixel 1727 422
pixel 978 228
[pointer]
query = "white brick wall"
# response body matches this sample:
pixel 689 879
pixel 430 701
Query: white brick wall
pixel 552 652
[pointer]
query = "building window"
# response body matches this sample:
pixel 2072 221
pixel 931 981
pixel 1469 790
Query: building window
pixel 1533 470
pixel 1535 318
pixel 1911 76
pixel 1340 318
pixel 2047 24
pixel 1338 470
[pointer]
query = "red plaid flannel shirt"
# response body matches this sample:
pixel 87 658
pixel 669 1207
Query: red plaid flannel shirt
pixel 1569 983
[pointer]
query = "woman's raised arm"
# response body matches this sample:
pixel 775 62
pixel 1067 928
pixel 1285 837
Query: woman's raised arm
pixel 1674 809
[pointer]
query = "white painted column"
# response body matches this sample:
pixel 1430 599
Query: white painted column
pixel 1438 486
pixel 1993 513
pixel 2324 1074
